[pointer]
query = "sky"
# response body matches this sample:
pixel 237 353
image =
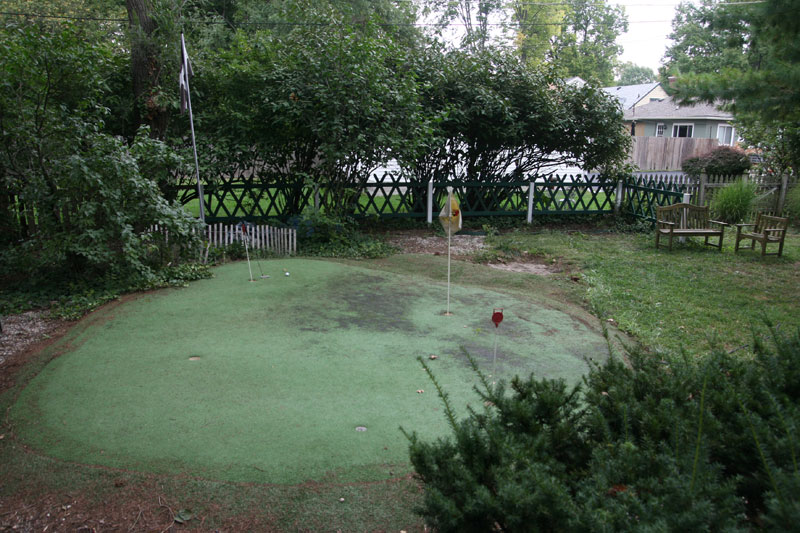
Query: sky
pixel 649 24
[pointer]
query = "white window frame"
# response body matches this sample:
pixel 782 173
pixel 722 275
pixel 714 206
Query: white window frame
pixel 662 127
pixel 678 125
pixel 733 135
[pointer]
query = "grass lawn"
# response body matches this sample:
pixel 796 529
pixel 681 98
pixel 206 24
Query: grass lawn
pixel 684 299
pixel 266 383
pixel 272 446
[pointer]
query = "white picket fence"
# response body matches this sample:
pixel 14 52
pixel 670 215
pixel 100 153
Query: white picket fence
pixel 280 241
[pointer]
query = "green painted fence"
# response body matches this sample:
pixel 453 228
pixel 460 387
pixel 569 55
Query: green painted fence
pixel 643 193
pixel 393 195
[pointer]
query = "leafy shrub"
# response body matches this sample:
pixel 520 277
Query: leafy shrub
pixel 722 161
pixel 734 201
pixel 661 444
pixel 320 234
pixel 792 206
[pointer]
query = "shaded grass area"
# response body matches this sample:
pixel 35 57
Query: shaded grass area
pixel 376 497
pixel 687 298
pixel 268 381
pixel 621 276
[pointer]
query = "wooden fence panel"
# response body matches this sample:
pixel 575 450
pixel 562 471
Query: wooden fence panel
pixel 667 153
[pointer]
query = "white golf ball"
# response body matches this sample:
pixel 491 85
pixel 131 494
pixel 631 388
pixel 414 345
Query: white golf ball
pixel 287 273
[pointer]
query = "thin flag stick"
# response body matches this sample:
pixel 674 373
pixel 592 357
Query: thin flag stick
pixel 448 273
pixel 494 359
pixel 497 317
pixel 246 251
pixel 450 217
pixel 186 71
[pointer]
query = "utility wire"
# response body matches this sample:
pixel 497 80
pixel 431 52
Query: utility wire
pixel 321 24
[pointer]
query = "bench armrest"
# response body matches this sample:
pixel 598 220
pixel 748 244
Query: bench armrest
pixel 663 223
pixel 775 230
pixel 719 223
pixel 743 225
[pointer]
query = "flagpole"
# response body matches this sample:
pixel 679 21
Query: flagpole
pixel 449 231
pixel 200 194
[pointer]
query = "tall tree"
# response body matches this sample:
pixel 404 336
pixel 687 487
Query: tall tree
pixel 475 17
pixel 760 83
pixel 632 74
pixel 538 25
pixel 707 38
pixel 587 45
pixel 147 65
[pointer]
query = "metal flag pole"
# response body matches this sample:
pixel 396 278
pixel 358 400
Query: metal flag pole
pixel 497 317
pixel 449 232
pixel 245 236
pixel 185 70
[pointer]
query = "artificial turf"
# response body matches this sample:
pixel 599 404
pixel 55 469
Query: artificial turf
pixel 267 381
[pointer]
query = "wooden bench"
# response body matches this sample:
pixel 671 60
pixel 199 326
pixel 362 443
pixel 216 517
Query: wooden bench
pixel 687 220
pixel 767 229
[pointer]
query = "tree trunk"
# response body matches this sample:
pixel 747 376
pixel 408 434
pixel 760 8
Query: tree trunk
pixel 146 68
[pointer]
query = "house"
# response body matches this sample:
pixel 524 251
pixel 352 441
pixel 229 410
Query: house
pixel 630 96
pixel 665 118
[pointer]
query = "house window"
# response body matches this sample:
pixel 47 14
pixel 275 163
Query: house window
pixel 725 135
pixel 660 129
pixel 682 130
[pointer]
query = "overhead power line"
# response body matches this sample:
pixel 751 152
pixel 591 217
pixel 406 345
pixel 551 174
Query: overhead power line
pixel 316 24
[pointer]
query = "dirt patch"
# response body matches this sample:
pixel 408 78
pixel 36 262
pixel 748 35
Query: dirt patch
pixel 461 246
pixel 538 269
pixel 24 336
pixel 139 507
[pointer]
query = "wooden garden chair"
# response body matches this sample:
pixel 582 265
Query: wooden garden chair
pixel 687 220
pixel 766 229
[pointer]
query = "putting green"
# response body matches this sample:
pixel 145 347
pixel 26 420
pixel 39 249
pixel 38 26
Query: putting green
pixel 268 381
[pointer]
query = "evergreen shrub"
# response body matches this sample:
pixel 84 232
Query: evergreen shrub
pixel 647 444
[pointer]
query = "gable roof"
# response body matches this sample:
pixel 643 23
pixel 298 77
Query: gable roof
pixel 668 109
pixel 577 81
pixel 629 95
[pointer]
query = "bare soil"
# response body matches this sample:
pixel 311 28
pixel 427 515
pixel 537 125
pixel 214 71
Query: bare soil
pixel 464 247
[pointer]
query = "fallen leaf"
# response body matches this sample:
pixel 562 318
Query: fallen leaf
pixel 432 357
pixel 420 391
pixel 341 499
pixel 183 516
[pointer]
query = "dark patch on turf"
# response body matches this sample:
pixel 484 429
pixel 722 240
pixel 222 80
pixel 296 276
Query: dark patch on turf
pixel 363 301
pixel 483 354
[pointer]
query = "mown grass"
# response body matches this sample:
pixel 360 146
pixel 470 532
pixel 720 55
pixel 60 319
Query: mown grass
pixel 684 299
pixel 687 299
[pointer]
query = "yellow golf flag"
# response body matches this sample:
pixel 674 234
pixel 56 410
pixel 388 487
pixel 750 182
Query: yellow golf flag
pixel 450 216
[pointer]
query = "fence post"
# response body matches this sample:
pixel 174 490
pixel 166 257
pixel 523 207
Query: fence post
pixel 782 195
pixel 531 187
pixel 701 194
pixel 430 201
pixel 316 197
pixel 618 199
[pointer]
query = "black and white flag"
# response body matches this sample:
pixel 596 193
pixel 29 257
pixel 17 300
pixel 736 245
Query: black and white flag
pixel 185 74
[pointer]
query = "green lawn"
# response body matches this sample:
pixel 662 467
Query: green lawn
pixel 686 298
pixel 267 381
pixel 666 300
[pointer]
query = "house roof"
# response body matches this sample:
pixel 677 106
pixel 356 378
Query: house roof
pixel 668 109
pixel 629 95
pixel 577 81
